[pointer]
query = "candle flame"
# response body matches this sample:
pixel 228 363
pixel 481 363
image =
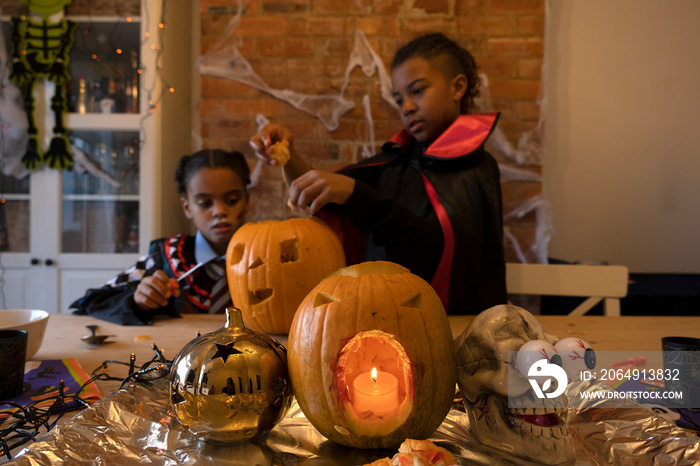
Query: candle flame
pixel 374 374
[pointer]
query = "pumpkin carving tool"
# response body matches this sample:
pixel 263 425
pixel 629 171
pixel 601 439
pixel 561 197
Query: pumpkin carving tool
pixel 201 264
pixel 95 339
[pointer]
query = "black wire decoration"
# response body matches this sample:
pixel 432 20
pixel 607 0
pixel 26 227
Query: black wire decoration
pixel 29 420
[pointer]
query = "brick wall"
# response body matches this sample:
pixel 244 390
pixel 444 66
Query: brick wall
pixel 305 46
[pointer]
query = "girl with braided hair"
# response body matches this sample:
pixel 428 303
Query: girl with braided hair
pixel 212 187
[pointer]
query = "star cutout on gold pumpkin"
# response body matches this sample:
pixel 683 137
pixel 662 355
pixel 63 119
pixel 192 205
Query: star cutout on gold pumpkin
pixel 224 351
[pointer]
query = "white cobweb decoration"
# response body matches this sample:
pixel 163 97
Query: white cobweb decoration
pixel 528 151
pixel 235 67
pixel 228 63
pixel 13 121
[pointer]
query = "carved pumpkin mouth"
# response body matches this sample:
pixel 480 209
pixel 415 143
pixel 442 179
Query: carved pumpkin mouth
pixel 260 296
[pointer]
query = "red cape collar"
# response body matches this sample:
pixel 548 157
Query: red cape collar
pixel 465 135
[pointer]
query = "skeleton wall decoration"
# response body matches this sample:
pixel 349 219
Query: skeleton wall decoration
pixel 41 48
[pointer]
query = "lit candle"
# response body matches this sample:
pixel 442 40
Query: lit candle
pixel 376 391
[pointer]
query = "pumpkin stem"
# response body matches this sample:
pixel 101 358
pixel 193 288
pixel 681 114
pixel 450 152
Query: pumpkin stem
pixel 234 319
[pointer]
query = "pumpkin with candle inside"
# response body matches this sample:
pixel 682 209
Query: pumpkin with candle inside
pixel 271 265
pixel 373 316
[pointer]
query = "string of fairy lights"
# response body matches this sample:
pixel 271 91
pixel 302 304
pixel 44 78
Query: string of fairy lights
pixel 158 86
pixel 22 424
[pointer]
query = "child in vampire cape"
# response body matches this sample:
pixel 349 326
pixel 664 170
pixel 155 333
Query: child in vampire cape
pixel 212 187
pixel 431 199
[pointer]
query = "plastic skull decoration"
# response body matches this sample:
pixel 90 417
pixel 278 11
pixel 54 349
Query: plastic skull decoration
pixel 487 373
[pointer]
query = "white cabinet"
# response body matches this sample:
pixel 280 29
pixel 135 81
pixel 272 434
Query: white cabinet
pixel 63 231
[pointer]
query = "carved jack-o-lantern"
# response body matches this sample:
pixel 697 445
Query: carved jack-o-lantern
pixel 372 316
pixel 271 265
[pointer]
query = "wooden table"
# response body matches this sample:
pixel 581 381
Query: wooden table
pixel 64 332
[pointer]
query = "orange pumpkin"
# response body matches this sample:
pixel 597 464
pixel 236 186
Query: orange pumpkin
pixel 271 265
pixel 372 315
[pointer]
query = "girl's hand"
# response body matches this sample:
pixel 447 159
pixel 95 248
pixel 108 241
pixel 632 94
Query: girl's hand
pixel 269 136
pixel 266 138
pixel 314 189
pixel 155 290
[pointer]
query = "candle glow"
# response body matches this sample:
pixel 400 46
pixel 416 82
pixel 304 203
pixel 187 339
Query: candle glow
pixel 376 391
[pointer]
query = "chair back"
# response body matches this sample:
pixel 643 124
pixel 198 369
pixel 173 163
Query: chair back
pixel 598 283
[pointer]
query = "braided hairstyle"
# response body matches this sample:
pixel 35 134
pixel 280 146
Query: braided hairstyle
pixel 188 165
pixel 455 60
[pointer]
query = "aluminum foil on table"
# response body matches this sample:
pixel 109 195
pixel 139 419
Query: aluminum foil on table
pixel 135 426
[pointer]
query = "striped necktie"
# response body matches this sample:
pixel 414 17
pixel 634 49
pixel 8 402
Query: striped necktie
pixel 220 297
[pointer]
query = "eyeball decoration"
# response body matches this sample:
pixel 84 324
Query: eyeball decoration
pixel 533 351
pixel 577 357
pixel 572 354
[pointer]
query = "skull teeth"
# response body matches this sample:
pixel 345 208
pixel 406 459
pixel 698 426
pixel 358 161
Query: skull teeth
pixel 538 419
pixel 547 433
pixel 559 432
pixel 556 410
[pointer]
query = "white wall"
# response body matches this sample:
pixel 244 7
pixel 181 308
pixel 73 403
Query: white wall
pixel 622 132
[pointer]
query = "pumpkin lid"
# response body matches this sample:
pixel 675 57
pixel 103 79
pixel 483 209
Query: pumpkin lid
pixel 370 268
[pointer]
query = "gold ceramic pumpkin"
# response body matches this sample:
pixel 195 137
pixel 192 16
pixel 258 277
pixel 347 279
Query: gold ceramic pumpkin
pixel 230 385
pixel 271 265
pixel 372 315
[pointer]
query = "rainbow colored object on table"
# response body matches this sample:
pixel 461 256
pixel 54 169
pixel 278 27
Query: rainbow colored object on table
pixel 43 382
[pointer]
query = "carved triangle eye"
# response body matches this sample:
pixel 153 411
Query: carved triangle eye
pixel 414 302
pixel 256 263
pixel 324 298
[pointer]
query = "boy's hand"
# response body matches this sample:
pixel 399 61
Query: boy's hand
pixel 154 291
pixel 266 138
pixel 315 188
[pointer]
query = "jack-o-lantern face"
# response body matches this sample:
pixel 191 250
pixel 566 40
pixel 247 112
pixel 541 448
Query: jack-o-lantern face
pixel 374 315
pixel 271 265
